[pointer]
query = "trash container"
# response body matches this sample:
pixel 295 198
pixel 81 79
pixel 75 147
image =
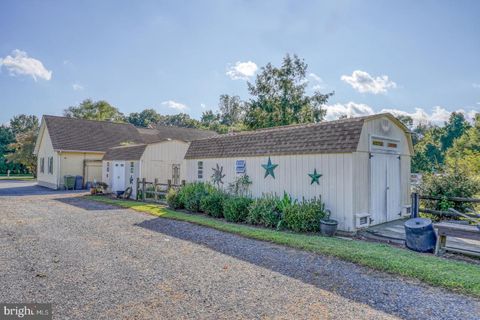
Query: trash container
pixel 69 182
pixel 78 182
pixel 420 235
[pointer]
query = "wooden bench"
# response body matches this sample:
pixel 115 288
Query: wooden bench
pixel 445 229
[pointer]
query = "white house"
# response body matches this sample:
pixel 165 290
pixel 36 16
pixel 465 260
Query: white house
pixel 69 146
pixel 359 166
pixel 161 157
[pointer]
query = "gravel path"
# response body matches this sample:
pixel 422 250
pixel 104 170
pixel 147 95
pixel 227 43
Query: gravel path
pixel 94 261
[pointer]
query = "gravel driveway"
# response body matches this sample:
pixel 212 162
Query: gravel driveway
pixel 94 261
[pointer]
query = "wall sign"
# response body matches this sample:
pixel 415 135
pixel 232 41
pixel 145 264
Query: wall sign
pixel 240 166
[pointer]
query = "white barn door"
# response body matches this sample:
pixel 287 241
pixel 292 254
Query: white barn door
pixel 118 179
pixel 385 187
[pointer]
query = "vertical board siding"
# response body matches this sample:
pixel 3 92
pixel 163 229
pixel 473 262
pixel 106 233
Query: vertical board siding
pixel 291 176
pixel 158 158
pixel 45 151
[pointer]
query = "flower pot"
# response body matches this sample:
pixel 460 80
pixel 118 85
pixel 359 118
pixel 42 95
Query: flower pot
pixel 328 227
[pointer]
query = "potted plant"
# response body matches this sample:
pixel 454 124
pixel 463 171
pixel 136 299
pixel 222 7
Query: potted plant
pixel 328 226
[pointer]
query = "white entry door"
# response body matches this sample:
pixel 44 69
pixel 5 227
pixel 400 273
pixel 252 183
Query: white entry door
pixel 118 183
pixel 385 187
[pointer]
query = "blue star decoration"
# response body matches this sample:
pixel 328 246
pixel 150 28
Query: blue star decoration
pixel 269 167
pixel 315 176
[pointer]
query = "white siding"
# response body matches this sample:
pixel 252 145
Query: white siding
pixel 158 158
pixel 45 150
pixel 361 163
pixel 291 176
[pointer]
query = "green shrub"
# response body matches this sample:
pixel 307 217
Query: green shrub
pixel 212 204
pixel 264 211
pixel 305 216
pixel 173 199
pixel 235 208
pixel 449 184
pixel 192 193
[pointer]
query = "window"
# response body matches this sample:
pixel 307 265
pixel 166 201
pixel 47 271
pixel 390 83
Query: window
pixel 50 165
pixel 42 165
pixel 108 167
pixel 392 145
pixel 200 169
pixel 131 167
pixel 384 145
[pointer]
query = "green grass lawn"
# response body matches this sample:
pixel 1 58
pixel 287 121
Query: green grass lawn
pixel 454 275
pixel 17 177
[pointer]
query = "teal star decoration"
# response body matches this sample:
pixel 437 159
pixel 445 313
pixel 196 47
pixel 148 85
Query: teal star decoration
pixel 315 176
pixel 269 167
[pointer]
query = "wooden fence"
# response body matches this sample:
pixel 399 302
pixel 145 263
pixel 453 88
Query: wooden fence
pixel 158 190
pixel 416 204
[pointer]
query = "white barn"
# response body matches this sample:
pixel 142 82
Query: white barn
pixel 161 157
pixel 359 166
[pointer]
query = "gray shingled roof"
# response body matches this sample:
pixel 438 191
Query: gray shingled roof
pixel 89 135
pixel 131 152
pixel 162 133
pixel 338 136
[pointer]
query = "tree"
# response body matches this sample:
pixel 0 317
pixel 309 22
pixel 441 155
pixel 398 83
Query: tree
pixel 406 120
pixel 147 118
pixel 90 110
pixel 454 128
pixel 23 150
pixel 465 152
pixel 232 110
pixel 278 96
pixel 23 123
pixel 179 120
pixel 209 118
pixel 6 138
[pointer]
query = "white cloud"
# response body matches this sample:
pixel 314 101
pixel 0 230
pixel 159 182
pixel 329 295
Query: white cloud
pixel 476 85
pixel 438 116
pixel 202 105
pixel 19 63
pixel 350 109
pixel 364 82
pixel 77 87
pixel 175 105
pixel 242 70
pixel 317 82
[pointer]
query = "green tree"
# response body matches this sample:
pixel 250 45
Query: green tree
pixel 98 110
pixel 147 118
pixel 23 123
pixel 428 155
pixel 232 110
pixel 209 118
pixel 6 138
pixel 23 150
pixel 465 152
pixel 279 98
pixel 454 128
pixel 179 120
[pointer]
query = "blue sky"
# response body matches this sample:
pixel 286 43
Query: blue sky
pixel 418 57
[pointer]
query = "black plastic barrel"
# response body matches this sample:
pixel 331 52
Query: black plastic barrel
pixel 78 182
pixel 420 235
